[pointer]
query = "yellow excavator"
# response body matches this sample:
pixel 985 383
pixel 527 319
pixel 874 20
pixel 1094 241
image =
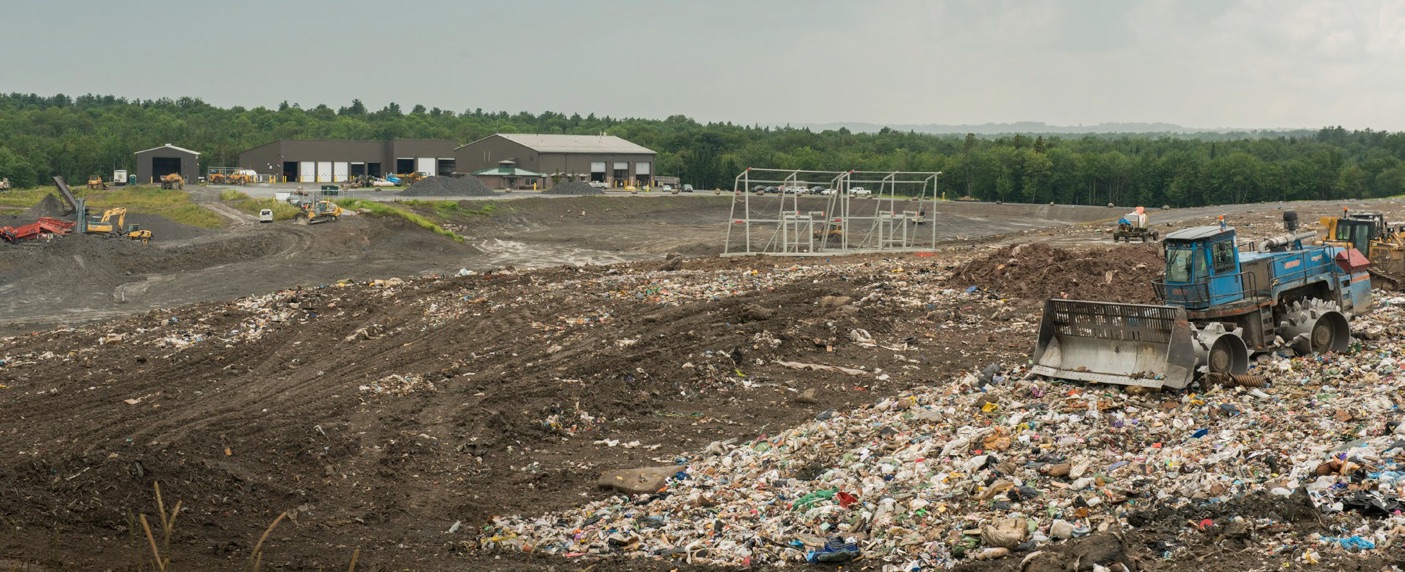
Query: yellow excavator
pixel 1383 244
pixel 113 222
pixel 95 182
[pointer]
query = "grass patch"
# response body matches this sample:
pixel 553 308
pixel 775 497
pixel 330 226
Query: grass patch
pixel 248 204
pixel 172 204
pixel 382 209
pixel 448 209
pixel 24 198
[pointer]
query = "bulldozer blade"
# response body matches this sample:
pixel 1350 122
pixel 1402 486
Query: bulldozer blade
pixel 1124 344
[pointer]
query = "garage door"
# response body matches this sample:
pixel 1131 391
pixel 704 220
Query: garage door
pixel 621 166
pixel 339 172
pixel 307 172
pixel 324 171
pixel 426 165
pixel 597 166
pixel 641 168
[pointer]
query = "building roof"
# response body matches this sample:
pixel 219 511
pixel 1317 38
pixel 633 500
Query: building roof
pixel 168 146
pixel 507 171
pixel 574 143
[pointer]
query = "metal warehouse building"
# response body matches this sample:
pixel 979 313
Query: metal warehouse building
pixel 152 164
pixel 588 157
pixel 323 161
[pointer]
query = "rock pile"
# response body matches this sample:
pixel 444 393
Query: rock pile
pixel 573 188
pixel 448 187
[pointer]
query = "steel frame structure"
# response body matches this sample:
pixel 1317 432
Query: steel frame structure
pixel 787 229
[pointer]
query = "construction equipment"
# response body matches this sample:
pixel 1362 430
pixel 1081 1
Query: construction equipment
pixel 105 224
pixel 45 225
pixel 407 179
pixel 173 181
pixel 1369 233
pixel 1135 226
pixel 5 184
pixel 118 227
pixel 314 210
pixel 1218 306
pixel 95 182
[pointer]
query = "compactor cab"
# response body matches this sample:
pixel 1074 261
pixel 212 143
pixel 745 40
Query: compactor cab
pixel 1219 305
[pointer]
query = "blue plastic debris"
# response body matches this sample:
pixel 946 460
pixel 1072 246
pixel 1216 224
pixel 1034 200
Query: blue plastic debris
pixel 834 551
pixel 1352 542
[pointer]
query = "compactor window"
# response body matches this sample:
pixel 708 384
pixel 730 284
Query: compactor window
pixel 1222 253
pixel 1178 262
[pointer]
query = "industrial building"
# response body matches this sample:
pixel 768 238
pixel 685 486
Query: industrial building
pixel 152 164
pixel 324 161
pixel 507 176
pixel 604 158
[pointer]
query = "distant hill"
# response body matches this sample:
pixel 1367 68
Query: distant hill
pixel 1035 128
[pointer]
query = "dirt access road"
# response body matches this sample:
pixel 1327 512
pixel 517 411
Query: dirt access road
pixel 79 279
pixel 376 416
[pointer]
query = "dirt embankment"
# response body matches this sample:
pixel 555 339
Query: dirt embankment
pixel 1038 271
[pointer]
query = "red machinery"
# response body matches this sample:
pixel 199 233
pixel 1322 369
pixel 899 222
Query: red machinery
pixel 35 230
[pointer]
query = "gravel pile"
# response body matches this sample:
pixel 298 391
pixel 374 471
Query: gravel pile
pixel 51 206
pixel 448 187
pixel 573 188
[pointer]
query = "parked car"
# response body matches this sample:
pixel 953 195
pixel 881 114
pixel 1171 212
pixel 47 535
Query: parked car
pixel 828 192
pixel 860 192
pixel 817 190
pixel 599 184
pixel 687 188
pixel 666 188
pixel 266 215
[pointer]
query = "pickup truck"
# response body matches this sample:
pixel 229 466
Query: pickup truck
pixel 860 192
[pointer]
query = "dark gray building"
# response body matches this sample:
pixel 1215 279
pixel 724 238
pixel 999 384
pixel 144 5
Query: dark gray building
pixel 152 164
pixel 579 157
pixel 324 161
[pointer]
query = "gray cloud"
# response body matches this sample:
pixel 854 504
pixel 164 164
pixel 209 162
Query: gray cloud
pixel 1200 63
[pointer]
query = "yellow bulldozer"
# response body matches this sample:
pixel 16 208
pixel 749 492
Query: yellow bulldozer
pixel 113 222
pixel 95 182
pixel 1383 244
pixel 173 181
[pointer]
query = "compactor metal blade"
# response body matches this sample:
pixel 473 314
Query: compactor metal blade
pixel 1125 344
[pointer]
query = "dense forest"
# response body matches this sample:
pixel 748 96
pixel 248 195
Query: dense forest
pixel 89 134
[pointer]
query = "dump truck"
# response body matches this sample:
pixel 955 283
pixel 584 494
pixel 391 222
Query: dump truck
pixel 1383 244
pixel 1135 226
pixel 1219 305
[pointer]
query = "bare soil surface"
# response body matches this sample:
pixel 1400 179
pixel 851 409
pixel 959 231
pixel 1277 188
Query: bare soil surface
pixel 267 370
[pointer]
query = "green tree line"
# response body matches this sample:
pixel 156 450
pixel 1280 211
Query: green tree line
pixel 92 134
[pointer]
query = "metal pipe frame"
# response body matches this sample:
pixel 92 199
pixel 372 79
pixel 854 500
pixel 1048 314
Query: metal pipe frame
pixel 792 233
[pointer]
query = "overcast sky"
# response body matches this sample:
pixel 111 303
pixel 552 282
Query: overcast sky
pixel 1201 63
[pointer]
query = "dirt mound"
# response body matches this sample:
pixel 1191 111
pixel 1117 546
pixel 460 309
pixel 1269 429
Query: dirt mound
pixel 573 188
pixel 163 228
pixel 1038 271
pixel 51 206
pixel 448 187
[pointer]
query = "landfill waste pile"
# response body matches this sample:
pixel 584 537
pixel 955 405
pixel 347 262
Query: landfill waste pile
pixel 992 464
pixel 366 409
pixel 447 187
pixel 573 188
pixel 1039 271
